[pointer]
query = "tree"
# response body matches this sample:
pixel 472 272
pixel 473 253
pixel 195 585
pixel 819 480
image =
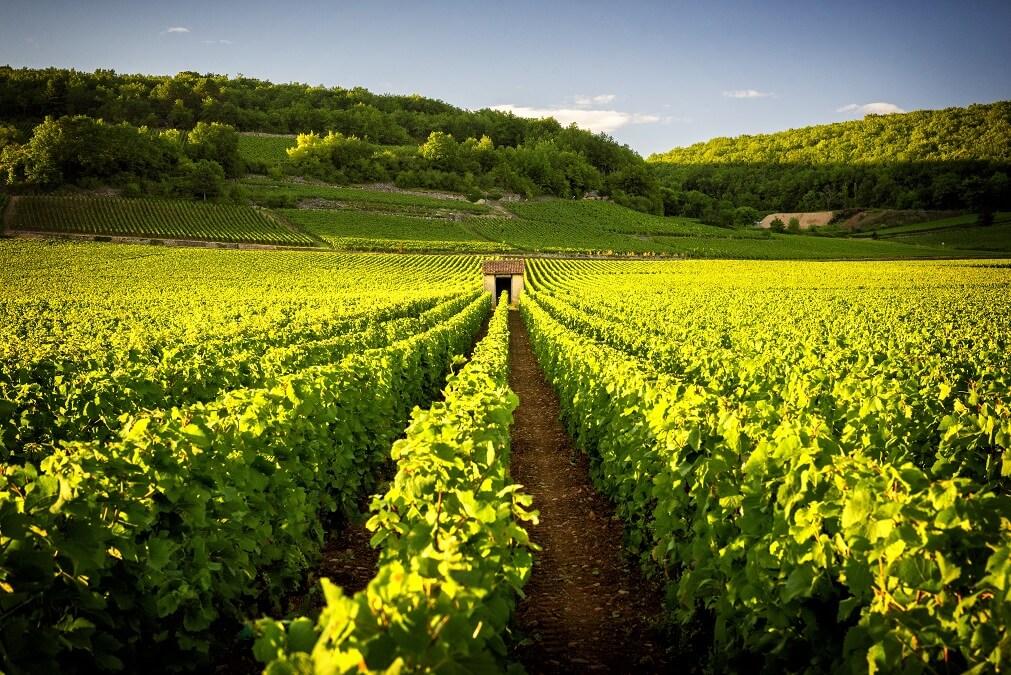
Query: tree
pixel 180 115
pixel 8 135
pixel 985 218
pixel 480 153
pixel 636 180
pixel 921 160
pixel 745 216
pixel 75 149
pixel 777 225
pixel 217 142
pixel 369 132
pixel 441 151
pixel 334 157
pixel 204 178
pixel 794 225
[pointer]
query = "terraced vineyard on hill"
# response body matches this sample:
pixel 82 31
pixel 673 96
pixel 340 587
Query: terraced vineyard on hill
pixel 272 193
pixel 411 223
pixel 957 233
pixel 355 230
pixel 356 219
pixel 169 219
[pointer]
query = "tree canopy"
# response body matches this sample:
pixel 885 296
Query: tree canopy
pixel 344 134
pixel 957 158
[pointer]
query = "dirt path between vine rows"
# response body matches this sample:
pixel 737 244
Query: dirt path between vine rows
pixel 588 609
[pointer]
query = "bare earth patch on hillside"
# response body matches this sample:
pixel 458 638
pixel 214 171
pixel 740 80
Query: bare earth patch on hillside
pixel 808 219
pixel 857 220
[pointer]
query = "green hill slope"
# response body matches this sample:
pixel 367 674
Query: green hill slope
pixel 957 158
pixel 344 136
pixel 559 226
pixel 400 222
pixel 978 132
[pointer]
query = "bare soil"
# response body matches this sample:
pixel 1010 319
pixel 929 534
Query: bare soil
pixel 857 219
pixel 347 560
pixel 807 219
pixel 264 134
pixel 587 607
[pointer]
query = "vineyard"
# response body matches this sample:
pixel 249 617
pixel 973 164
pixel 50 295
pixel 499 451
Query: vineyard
pixel 355 219
pixel 376 222
pixel 177 429
pixel 410 360
pixel 355 230
pixel 360 220
pixel 995 238
pixel 273 193
pixel 816 457
pixel 795 466
pixel 454 555
pixel 168 219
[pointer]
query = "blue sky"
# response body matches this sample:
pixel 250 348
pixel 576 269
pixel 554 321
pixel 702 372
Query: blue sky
pixel 653 74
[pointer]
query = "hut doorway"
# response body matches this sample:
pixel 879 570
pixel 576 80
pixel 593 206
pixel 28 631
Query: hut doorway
pixel 504 285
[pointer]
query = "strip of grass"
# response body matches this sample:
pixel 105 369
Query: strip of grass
pixel 272 193
pixel 338 227
pixel 265 150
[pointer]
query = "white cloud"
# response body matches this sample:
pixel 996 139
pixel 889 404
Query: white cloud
pixel 877 108
pixel 599 99
pixel 176 29
pixel 747 93
pixel 589 119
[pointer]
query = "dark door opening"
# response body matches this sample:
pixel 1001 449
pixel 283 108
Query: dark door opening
pixel 503 284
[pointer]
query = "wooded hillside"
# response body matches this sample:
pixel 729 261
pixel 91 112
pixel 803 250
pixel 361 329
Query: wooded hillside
pixel 957 158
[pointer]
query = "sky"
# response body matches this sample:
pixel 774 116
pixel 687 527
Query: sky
pixel 654 75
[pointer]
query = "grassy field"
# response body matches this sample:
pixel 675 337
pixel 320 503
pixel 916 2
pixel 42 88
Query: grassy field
pixel 273 193
pixel 355 230
pixel 996 238
pixel 963 220
pixel 154 218
pixel 265 150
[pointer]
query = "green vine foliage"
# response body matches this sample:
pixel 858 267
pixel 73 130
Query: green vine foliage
pixel 812 556
pixel 51 398
pixel 454 552
pixel 147 543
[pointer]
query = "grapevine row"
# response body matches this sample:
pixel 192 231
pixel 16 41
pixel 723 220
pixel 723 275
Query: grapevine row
pixel 150 218
pixel 878 540
pixel 196 512
pixel 454 552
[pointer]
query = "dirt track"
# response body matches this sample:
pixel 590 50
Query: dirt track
pixel 587 607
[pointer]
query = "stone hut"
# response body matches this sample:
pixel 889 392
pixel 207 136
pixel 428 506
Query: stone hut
pixel 504 275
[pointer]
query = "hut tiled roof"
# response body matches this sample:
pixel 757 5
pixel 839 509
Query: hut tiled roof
pixel 513 266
